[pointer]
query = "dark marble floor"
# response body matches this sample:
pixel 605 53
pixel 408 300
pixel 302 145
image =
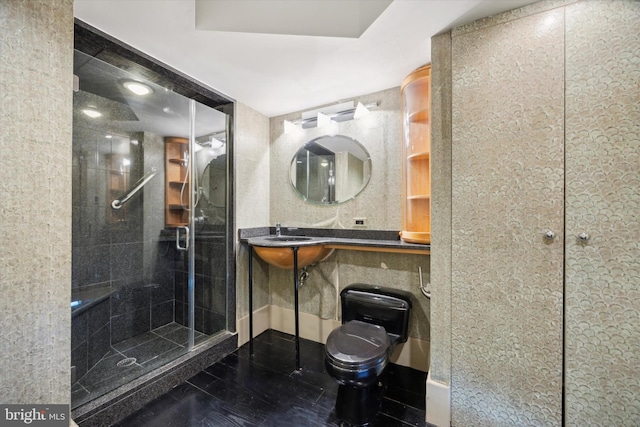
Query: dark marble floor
pixel 268 391
pixel 137 356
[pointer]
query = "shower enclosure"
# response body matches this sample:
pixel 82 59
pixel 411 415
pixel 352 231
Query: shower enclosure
pixel 151 246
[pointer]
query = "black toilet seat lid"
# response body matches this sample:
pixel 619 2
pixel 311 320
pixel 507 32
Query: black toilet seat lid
pixel 357 343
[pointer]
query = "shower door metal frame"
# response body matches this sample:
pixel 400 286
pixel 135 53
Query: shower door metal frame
pixel 191 288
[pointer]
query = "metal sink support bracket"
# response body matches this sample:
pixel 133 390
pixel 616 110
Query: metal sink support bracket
pixel 288 252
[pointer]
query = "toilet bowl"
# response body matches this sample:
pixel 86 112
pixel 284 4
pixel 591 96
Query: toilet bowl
pixel 374 321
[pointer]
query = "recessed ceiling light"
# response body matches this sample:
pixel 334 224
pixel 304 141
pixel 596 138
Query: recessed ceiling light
pixel 137 87
pixel 92 112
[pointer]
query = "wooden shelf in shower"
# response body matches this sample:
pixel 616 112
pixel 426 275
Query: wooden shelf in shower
pixel 177 182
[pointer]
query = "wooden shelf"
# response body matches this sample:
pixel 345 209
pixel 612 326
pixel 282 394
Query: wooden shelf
pixel 177 186
pixel 422 117
pixel 416 154
pixel 378 249
pixel 182 162
pixel 423 155
pixel 416 236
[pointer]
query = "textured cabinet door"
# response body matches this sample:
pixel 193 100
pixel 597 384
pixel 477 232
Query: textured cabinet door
pixel 602 349
pixel 507 192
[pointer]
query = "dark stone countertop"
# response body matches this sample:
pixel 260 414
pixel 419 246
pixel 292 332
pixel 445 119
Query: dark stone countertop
pixel 384 239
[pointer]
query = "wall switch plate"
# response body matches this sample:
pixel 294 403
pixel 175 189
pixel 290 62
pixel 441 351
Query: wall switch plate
pixel 360 222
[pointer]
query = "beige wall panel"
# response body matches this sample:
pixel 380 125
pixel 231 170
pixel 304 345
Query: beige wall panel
pixel 603 200
pixel 440 368
pixel 507 190
pixel 252 201
pixel 36 41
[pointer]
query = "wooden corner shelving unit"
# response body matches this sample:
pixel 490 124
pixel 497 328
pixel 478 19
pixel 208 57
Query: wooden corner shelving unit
pixel 416 156
pixel 177 182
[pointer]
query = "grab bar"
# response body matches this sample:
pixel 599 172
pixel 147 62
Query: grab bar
pixel 423 289
pixel 117 203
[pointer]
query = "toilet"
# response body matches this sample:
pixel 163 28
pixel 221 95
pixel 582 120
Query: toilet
pixel 374 321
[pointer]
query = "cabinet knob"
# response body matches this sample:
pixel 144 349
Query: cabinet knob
pixel 583 237
pixel 549 234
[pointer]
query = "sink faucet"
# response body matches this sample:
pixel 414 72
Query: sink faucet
pixel 277 229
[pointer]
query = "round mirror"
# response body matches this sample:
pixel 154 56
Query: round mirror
pixel 212 190
pixel 330 169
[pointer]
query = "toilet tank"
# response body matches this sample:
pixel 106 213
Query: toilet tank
pixel 386 307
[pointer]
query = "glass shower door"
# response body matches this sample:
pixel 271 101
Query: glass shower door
pixel 135 184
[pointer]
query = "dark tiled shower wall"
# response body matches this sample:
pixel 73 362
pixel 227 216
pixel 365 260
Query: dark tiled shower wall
pixel 125 253
pixel 130 311
pixel 210 285
pixel 143 302
pixel 90 332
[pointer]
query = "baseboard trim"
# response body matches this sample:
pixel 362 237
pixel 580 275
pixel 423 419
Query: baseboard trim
pixel 311 327
pixel 438 403
pixel 260 324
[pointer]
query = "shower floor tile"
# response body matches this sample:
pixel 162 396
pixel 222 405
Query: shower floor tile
pixel 134 341
pixel 150 350
pixel 266 390
pixel 179 335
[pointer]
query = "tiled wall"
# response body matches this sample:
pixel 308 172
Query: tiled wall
pixel 90 337
pixel 36 42
pixel 380 133
pixel 319 295
pixel 122 254
pixel 210 284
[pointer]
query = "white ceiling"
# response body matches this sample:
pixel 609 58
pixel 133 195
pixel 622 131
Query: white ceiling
pixel 275 73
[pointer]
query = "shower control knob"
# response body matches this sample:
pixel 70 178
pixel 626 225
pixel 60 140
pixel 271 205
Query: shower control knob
pixel 583 237
pixel 549 234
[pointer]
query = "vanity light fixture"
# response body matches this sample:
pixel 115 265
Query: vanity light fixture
pixel 215 143
pixel 330 115
pixel 361 111
pixel 323 120
pixel 289 127
pixel 137 87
